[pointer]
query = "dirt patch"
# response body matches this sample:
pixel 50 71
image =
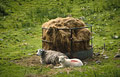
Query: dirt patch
pixel 30 61
pixel 35 61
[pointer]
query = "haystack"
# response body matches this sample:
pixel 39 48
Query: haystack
pixel 59 40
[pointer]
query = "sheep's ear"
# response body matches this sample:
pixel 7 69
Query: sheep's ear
pixel 43 52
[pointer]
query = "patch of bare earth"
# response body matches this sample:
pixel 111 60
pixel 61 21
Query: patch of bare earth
pixel 35 61
pixel 29 61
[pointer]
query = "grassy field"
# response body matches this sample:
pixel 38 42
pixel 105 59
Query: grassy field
pixel 20 36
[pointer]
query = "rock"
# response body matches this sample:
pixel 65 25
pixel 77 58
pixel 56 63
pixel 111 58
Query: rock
pixel 117 56
pixel 116 37
pixel 82 18
pixel 111 42
pixel 104 38
pixel 98 61
pixel 24 43
pixel 106 57
pixel 97 54
pixel 1 39
pixel 29 54
pixel 85 63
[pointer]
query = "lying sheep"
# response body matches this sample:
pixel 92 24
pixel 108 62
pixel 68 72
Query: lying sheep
pixel 69 62
pixel 49 56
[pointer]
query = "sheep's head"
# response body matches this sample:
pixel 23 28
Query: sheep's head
pixel 40 52
pixel 61 59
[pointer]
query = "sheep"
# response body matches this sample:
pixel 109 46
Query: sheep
pixel 69 62
pixel 49 56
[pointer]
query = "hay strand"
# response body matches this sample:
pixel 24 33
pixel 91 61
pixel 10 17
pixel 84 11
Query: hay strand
pixel 60 39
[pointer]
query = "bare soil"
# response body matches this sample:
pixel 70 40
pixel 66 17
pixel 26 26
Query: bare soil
pixel 29 61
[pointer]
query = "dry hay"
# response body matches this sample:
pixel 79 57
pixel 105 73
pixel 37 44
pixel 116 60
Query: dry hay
pixel 59 40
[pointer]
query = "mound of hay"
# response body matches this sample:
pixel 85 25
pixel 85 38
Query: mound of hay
pixel 60 40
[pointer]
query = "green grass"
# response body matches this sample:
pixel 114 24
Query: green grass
pixel 97 71
pixel 20 35
pixel 9 69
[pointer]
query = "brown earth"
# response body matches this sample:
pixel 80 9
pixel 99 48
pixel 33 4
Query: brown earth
pixel 29 61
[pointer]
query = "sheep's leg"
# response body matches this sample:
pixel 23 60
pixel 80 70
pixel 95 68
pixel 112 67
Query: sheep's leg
pixel 61 66
pixel 42 62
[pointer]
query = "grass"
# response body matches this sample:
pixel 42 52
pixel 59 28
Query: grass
pixel 20 35
pixel 9 69
pixel 107 71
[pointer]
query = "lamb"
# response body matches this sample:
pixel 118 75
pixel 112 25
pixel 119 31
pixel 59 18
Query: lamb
pixel 49 56
pixel 69 62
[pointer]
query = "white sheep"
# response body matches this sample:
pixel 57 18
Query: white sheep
pixel 49 56
pixel 69 62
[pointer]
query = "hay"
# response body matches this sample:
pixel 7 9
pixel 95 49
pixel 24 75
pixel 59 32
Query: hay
pixel 59 40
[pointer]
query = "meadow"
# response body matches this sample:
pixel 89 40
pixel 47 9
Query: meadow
pixel 21 34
